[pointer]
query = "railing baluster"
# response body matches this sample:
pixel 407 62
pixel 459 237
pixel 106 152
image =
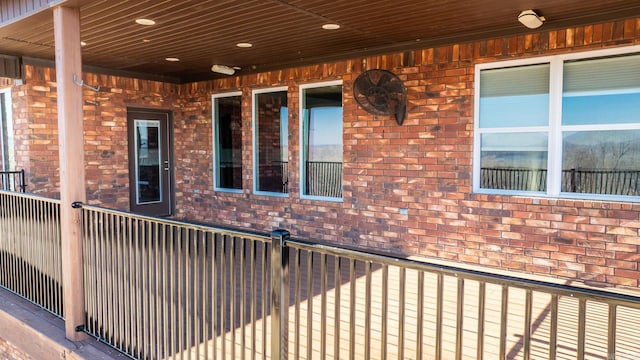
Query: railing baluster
pixel 215 303
pixel 582 309
pixel 337 283
pixel 504 306
pixel 611 331
pixel 459 318
pixel 296 281
pixel 309 305
pixel 481 314
pixel 243 281
pixel 352 309
pixel 553 321
pixel 385 312
pixel 323 306
pixel 439 310
pixel 367 310
pixel 254 297
pixel 527 324
pixel 401 311
pixel 420 316
pixel 223 297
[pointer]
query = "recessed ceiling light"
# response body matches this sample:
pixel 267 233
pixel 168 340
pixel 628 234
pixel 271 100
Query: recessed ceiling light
pixel 172 59
pixel 331 26
pixel 145 22
pixel 146 40
pixel 83 43
pixel 244 45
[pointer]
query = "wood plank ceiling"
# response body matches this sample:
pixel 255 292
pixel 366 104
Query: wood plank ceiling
pixel 283 33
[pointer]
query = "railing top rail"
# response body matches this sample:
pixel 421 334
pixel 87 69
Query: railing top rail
pixel 30 196
pixel 184 224
pixel 12 172
pixel 511 281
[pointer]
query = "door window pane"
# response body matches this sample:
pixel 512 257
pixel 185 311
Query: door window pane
pixel 148 164
pixel 271 118
pixel 228 142
pixel 322 148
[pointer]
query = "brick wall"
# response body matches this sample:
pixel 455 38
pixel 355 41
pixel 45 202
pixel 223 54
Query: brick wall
pixel 105 130
pixel 407 189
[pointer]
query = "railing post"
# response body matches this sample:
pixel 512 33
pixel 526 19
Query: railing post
pixel 279 293
pixel 66 24
pixel 23 184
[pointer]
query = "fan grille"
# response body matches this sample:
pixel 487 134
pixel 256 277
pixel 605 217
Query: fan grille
pixel 380 92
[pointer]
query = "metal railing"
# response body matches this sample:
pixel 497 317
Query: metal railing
pixel 158 289
pixel 30 249
pixel 172 290
pixel 13 181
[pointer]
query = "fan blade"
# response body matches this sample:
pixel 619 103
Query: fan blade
pixel 394 86
pixel 385 77
pixel 363 83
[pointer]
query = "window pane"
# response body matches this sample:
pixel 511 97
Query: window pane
pixel 602 91
pixel 6 133
pixel 514 97
pixel 272 140
pixel 228 122
pixel 149 172
pixel 601 162
pixel 322 148
pixel 516 161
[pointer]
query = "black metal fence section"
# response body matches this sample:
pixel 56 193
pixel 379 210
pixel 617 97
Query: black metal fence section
pixel 30 249
pixel 324 179
pixel 160 289
pixel 12 181
pixel 355 305
pixel 165 289
pixel 608 182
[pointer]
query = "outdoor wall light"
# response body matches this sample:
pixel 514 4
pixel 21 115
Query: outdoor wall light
pixel 530 19
pixel 222 69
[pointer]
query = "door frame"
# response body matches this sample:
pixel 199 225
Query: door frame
pixel 166 207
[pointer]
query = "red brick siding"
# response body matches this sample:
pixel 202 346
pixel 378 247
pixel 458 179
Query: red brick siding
pixel 407 189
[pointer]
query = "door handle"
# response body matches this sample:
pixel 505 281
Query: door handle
pixel 166 165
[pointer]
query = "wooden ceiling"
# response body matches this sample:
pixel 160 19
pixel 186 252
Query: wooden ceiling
pixel 284 33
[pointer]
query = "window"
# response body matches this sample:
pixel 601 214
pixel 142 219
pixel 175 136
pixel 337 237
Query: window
pixel 6 132
pixel 227 144
pixel 321 124
pixel 271 139
pixel 566 125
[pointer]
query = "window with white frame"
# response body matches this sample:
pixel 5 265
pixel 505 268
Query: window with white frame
pixel 6 132
pixel 321 140
pixel 270 136
pixel 227 141
pixel 564 125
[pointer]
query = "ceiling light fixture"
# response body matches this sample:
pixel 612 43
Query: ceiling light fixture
pixel 222 69
pixel 530 19
pixel 145 22
pixel 172 59
pixel 244 45
pixel 83 43
pixel 331 26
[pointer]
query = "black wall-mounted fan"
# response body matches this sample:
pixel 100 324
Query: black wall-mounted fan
pixel 381 92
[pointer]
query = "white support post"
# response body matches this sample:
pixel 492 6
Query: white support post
pixel 72 177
